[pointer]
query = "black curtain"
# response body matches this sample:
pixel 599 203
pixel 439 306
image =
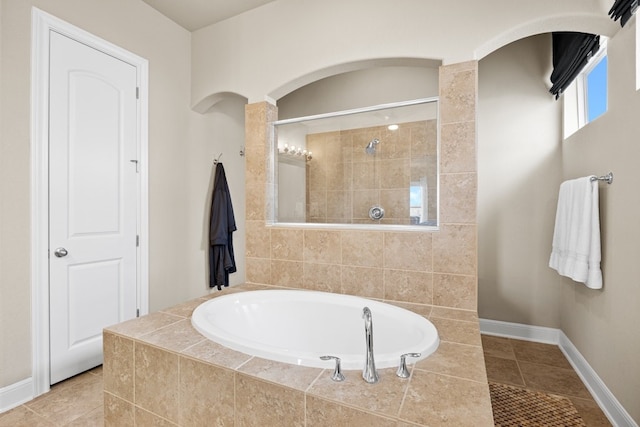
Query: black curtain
pixel 623 10
pixel 571 52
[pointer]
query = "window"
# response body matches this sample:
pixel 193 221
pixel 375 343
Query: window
pixel 586 98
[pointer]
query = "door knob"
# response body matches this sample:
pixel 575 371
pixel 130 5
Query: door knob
pixel 60 252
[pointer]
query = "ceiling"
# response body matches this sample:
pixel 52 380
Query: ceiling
pixel 195 14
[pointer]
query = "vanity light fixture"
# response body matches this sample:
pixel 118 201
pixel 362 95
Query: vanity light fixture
pixel 392 127
pixel 295 151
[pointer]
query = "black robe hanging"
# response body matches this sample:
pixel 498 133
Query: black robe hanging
pixel 222 225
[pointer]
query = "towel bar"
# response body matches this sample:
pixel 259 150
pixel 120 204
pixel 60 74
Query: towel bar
pixel 608 178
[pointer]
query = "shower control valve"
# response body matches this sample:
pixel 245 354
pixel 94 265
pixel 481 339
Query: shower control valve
pixel 376 213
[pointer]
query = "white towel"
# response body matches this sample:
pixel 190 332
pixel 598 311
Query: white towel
pixel 576 238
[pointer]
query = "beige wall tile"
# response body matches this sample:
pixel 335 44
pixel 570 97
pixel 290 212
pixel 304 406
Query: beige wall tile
pixel 410 286
pixel 322 246
pixel 420 309
pixel 258 270
pixel 322 277
pixel 458 197
pixel 287 273
pixel 458 93
pixel 408 251
pixel 394 173
pixel 338 175
pixel 366 175
pixel 156 381
pixel 455 314
pixel 286 244
pixel 197 402
pixel 293 376
pixel 458 147
pixel 145 324
pixel 455 250
pixel 322 413
pixel 383 398
pixel 258 239
pixel 363 200
pixel 146 418
pixel 259 403
pixel 455 291
pixel 255 166
pixel 362 248
pixel 458 360
pixel 434 400
pixel 185 309
pixel 216 354
pixel 316 170
pixel 117 412
pixel 457 331
pixel 339 206
pixel 395 144
pixel 424 139
pixel 395 203
pixel 362 281
pixel 317 206
pixel 255 202
pixel 175 337
pixel 117 370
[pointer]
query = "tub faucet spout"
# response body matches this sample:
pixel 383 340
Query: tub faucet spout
pixel 369 372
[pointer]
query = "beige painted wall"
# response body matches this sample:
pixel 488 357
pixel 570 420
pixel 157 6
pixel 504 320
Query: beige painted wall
pixel 362 88
pixel 603 324
pixel 252 53
pixel 522 161
pixel 519 172
pixel 181 146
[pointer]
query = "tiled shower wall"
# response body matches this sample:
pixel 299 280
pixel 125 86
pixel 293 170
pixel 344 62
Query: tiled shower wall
pixel 344 182
pixel 428 267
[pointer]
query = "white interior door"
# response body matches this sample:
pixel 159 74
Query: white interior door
pixel 93 190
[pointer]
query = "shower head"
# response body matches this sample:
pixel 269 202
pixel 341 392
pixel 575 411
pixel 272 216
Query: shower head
pixel 371 146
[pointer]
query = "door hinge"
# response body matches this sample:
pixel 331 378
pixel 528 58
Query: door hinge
pixel 137 240
pixel 137 93
pixel 137 312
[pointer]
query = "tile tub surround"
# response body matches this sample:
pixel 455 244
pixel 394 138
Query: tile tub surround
pixel 343 181
pixel 427 267
pixel 159 371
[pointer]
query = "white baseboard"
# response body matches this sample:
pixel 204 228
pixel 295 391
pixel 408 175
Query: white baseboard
pixel 614 411
pixel 16 394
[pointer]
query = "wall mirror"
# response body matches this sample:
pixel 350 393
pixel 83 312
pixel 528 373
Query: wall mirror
pixel 368 167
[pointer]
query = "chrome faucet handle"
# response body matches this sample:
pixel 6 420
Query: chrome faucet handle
pixel 402 371
pixel 337 372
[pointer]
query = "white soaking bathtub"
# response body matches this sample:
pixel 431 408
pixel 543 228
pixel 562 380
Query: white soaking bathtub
pixel 296 326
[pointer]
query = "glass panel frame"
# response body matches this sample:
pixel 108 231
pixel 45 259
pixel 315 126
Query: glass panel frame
pixel 353 162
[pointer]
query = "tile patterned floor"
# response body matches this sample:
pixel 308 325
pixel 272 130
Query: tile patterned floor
pixel 539 367
pixel 75 402
pixel 534 366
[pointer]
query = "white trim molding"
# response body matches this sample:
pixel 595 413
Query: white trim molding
pixel 16 394
pixel 614 411
pixel 42 24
